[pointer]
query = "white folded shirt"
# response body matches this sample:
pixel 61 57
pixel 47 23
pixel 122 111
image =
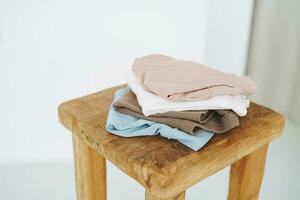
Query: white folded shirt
pixel 152 104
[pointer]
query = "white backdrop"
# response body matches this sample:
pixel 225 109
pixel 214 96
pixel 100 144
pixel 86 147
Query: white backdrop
pixel 51 51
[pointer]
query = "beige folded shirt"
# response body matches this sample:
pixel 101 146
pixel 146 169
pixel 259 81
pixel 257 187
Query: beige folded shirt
pixel 217 121
pixel 186 80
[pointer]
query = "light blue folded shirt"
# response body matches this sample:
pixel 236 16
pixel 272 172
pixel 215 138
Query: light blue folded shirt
pixel 129 126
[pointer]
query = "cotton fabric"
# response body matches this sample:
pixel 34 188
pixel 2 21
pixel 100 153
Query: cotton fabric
pixel 130 126
pixel 219 121
pixel 152 104
pixel 179 80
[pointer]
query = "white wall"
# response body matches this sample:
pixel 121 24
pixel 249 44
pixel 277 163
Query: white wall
pixel 227 37
pixel 51 51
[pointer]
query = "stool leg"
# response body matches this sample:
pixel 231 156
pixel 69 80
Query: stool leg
pixel 90 171
pixel 149 196
pixel 246 176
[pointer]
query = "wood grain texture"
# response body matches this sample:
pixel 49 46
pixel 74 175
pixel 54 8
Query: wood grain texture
pixel 90 172
pixel 166 167
pixel 246 175
pixel 149 196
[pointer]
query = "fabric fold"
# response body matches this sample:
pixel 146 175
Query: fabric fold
pixel 129 126
pixel 152 104
pixel 219 121
pixel 179 80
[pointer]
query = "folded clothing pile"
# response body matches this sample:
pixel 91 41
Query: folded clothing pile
pixel 180 100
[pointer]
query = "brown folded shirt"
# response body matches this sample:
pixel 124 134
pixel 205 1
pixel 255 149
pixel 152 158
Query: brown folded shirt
pixel 217 121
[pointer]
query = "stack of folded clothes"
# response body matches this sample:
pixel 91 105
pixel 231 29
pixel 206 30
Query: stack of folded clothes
pixel 180 100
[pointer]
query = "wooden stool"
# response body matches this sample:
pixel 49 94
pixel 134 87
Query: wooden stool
pixel 165 167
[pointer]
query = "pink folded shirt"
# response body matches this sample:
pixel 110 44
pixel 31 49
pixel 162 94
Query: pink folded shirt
pixel 178 80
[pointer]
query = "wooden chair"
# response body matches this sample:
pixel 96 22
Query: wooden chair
pixel 165 167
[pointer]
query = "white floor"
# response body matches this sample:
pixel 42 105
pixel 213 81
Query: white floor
pixel 55 181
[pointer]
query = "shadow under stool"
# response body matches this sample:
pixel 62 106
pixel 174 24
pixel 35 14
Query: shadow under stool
pixel 166 168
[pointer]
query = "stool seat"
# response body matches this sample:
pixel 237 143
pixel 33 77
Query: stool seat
pixel 166 167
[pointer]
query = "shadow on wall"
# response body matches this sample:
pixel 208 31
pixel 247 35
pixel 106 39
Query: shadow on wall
pixel 274 60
